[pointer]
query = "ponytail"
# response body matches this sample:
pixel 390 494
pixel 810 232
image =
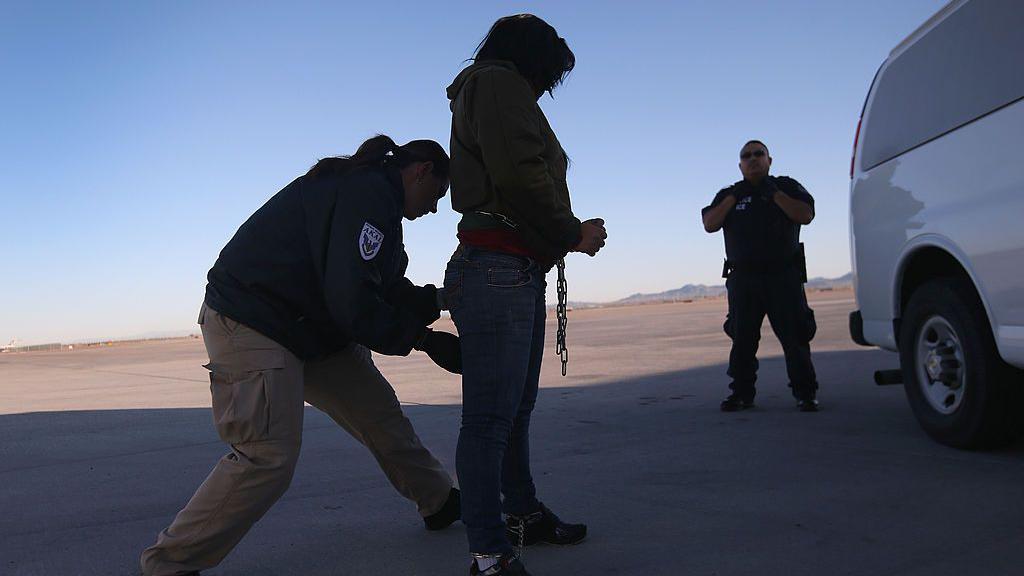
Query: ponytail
pixel 381 150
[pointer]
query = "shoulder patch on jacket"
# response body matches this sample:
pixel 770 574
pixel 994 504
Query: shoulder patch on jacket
pixel 370 241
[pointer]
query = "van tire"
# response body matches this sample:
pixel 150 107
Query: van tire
pixel 982 399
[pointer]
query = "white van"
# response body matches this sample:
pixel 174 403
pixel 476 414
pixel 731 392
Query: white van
pixel 937 220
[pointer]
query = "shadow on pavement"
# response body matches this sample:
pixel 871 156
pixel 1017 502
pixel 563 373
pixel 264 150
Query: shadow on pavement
pixel 668 484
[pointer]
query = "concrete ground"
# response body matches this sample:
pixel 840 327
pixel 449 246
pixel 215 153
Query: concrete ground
pixel 99 448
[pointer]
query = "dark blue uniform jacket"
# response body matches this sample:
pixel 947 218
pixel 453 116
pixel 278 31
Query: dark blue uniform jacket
pixel 758 234
pixel 322 264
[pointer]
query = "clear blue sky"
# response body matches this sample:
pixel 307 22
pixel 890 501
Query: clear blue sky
pixel 137 136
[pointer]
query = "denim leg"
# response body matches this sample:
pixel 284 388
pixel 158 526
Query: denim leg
pixel 494 309
pixel 516 480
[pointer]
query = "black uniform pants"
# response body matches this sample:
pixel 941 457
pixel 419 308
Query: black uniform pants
pixel 781 296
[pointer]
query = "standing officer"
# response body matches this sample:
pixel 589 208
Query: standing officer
pixel 310 284
pixel 761 217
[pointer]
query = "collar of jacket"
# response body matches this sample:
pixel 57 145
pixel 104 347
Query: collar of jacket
pixel 471 70
pixel 765 182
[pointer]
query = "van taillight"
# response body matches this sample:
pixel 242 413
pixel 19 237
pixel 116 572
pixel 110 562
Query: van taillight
pixel 856 138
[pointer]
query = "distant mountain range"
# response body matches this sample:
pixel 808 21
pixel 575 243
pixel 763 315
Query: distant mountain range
pixel 685 293
pixel 698 291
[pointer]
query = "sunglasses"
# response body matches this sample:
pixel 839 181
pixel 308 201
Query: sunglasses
pixel 747 155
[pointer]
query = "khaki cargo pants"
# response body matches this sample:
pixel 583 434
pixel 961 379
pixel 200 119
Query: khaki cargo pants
pixel 258 390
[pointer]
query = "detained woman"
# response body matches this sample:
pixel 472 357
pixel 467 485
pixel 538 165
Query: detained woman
pixel 509 183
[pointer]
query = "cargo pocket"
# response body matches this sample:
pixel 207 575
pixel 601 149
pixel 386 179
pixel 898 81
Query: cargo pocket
pixel 811 326
pixel 241 407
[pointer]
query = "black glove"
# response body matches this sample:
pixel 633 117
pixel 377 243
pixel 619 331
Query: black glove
pixel 444 349
pixel 422 302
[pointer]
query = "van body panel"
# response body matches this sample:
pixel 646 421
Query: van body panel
pixel 964 194
pixel 957 188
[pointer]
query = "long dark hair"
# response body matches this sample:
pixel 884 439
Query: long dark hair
pixel 381 150
pixel 533 45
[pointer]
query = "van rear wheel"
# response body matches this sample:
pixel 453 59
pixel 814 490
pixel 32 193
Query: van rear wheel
pixel 959 388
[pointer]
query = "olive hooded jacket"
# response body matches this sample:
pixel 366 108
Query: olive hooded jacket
pixel 506 160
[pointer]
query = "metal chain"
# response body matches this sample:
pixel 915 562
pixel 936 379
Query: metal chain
pixel 520 546
pixel 563 320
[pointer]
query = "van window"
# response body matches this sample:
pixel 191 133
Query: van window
pixel 968 65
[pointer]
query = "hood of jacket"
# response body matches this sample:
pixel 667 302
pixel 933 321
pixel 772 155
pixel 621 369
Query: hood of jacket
pixel 469 71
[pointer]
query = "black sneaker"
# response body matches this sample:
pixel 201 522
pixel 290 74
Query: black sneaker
pixel 543 526
pixel 736 402
pixel 448 514
pixel 508 565
pixel 807 404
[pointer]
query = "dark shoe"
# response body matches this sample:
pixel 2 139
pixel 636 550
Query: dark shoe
pixel 448 514
pixel 736 402
pixel 807 404
pixel 508 565
pixel 543 526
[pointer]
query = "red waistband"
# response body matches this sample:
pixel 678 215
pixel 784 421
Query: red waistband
pixel 498 240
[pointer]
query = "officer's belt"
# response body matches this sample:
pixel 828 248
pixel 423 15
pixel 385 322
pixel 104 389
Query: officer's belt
pixel 768 267
pixel 755 267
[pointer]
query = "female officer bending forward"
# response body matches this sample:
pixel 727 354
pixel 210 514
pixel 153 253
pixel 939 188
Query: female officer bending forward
pixel 309 284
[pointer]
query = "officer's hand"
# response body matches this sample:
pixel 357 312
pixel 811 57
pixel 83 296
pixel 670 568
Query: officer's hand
pixel 444 349
pixel 423 302
pixel 593 237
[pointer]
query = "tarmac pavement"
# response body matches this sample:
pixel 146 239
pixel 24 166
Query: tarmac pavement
pixel 99 448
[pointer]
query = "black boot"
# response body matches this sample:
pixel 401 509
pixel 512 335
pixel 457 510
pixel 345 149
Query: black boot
pixel 808 404
pixel 448 514
pixel 543 526
pixel 508 565
pixel 736 402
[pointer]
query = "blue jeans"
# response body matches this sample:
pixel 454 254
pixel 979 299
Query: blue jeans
pixel 497 303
